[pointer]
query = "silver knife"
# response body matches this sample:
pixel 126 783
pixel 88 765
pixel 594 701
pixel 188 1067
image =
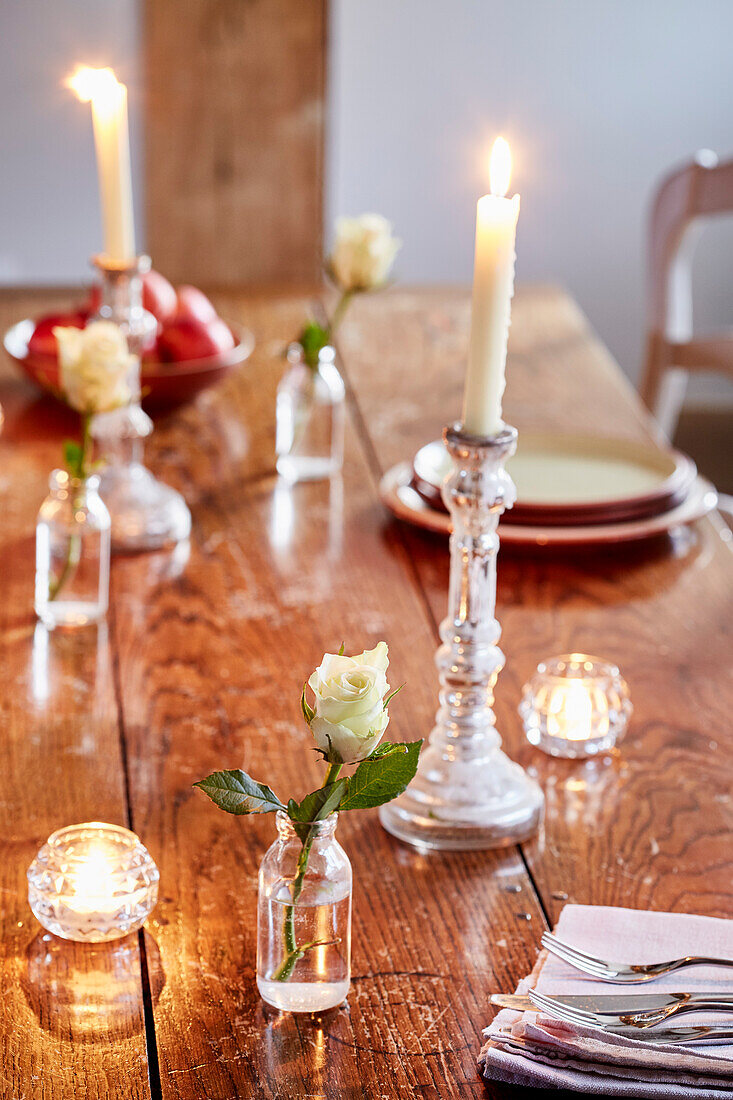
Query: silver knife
pixel 714 1035
pixel 618 1004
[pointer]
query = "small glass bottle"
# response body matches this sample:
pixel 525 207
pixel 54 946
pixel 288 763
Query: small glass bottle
pixel 310 417
pixel 304 920
pixel 72 553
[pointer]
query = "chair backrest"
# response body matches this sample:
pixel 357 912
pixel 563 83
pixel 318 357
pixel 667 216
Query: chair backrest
pixel 697 190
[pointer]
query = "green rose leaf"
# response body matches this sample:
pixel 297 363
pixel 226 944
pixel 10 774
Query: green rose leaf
pixel 382 777
pixel 316 806
pixel 312 339
pixel 237 793
pixel 385 748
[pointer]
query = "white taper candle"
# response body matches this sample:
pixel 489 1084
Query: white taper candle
pixel 493 287
pixel 108 98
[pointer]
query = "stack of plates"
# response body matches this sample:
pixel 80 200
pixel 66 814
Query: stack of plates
pixel 571 489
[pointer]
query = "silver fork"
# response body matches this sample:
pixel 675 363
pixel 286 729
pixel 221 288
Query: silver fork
pixel 676 1003
pixel 621 972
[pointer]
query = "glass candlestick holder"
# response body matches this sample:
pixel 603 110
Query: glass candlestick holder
pixel 92 882
pixel 467 794
pixel 146 514
pixel 575 706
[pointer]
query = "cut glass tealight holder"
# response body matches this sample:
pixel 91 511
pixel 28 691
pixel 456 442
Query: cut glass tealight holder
pixel 575 706
pixel 92 882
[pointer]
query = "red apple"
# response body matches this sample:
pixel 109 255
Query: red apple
pixel 43 341
pixel 194 304
pixel 159 297
pixel 186 338
pixel 151 355
pixel 93 302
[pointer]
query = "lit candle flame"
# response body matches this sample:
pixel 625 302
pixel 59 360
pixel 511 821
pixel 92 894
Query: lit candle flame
pixel 91 879
pixel 100 86
pixel 500 167
pixel 570 711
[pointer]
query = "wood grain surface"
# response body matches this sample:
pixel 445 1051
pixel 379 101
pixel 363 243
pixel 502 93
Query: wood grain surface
pixel 206 652
pixel 72 1019
pixel 650 826
pixel 234 124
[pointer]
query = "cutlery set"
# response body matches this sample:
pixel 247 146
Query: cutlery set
pixel 631 1015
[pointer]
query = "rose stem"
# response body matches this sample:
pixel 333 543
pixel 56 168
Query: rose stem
pixel 73 554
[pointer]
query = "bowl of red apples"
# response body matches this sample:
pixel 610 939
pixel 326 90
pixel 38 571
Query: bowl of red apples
pixel 191 349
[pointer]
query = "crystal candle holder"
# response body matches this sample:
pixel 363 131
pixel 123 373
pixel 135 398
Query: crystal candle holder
pixel 92 882
pixel 467 793
pixel 146 514
pixel 575 706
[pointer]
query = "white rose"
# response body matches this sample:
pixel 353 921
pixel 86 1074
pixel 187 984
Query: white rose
pixel 350 716
pixel 95 367
pixel 363 252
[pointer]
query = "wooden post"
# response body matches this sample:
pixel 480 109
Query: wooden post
pixel 234 129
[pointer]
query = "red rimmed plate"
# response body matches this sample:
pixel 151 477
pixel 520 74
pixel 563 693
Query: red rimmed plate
pixel 576 479
pixel 401 498
pixel 164 385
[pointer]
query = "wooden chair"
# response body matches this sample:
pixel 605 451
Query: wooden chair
pixel 687 196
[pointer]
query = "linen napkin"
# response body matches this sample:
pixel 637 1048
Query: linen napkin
pixel 551 1054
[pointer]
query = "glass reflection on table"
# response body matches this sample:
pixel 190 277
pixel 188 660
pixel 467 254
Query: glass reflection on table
pixel 88 991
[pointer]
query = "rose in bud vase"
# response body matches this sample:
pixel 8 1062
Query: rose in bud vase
pixel 304 909
pixel 310 397
pixel 73 528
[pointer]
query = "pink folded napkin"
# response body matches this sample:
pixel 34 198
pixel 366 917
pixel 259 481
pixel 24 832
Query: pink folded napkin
pixel 551 1054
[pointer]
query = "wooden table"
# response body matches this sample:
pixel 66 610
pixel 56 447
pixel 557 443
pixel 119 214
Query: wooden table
pixel 200 667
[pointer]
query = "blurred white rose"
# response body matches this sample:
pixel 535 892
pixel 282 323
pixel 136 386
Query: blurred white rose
pixel 350 716
pixel 363 252
pixel 95 367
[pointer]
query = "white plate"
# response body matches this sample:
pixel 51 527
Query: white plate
pixel 404 502
pixel 569 478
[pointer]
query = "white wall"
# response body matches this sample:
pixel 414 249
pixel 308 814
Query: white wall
pixel 49 207
pixel 597 98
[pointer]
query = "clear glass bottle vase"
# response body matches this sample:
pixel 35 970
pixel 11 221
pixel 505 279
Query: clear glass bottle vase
pixel 72 553
pixel 310 417
pixel 304 919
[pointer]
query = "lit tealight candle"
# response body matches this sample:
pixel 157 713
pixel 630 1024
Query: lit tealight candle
pixel 108 98
pixel 570 711
pixel 92 882
pixel 91 886
pixel 575 705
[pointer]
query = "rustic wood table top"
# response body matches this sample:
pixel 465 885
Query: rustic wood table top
pixel 200 666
